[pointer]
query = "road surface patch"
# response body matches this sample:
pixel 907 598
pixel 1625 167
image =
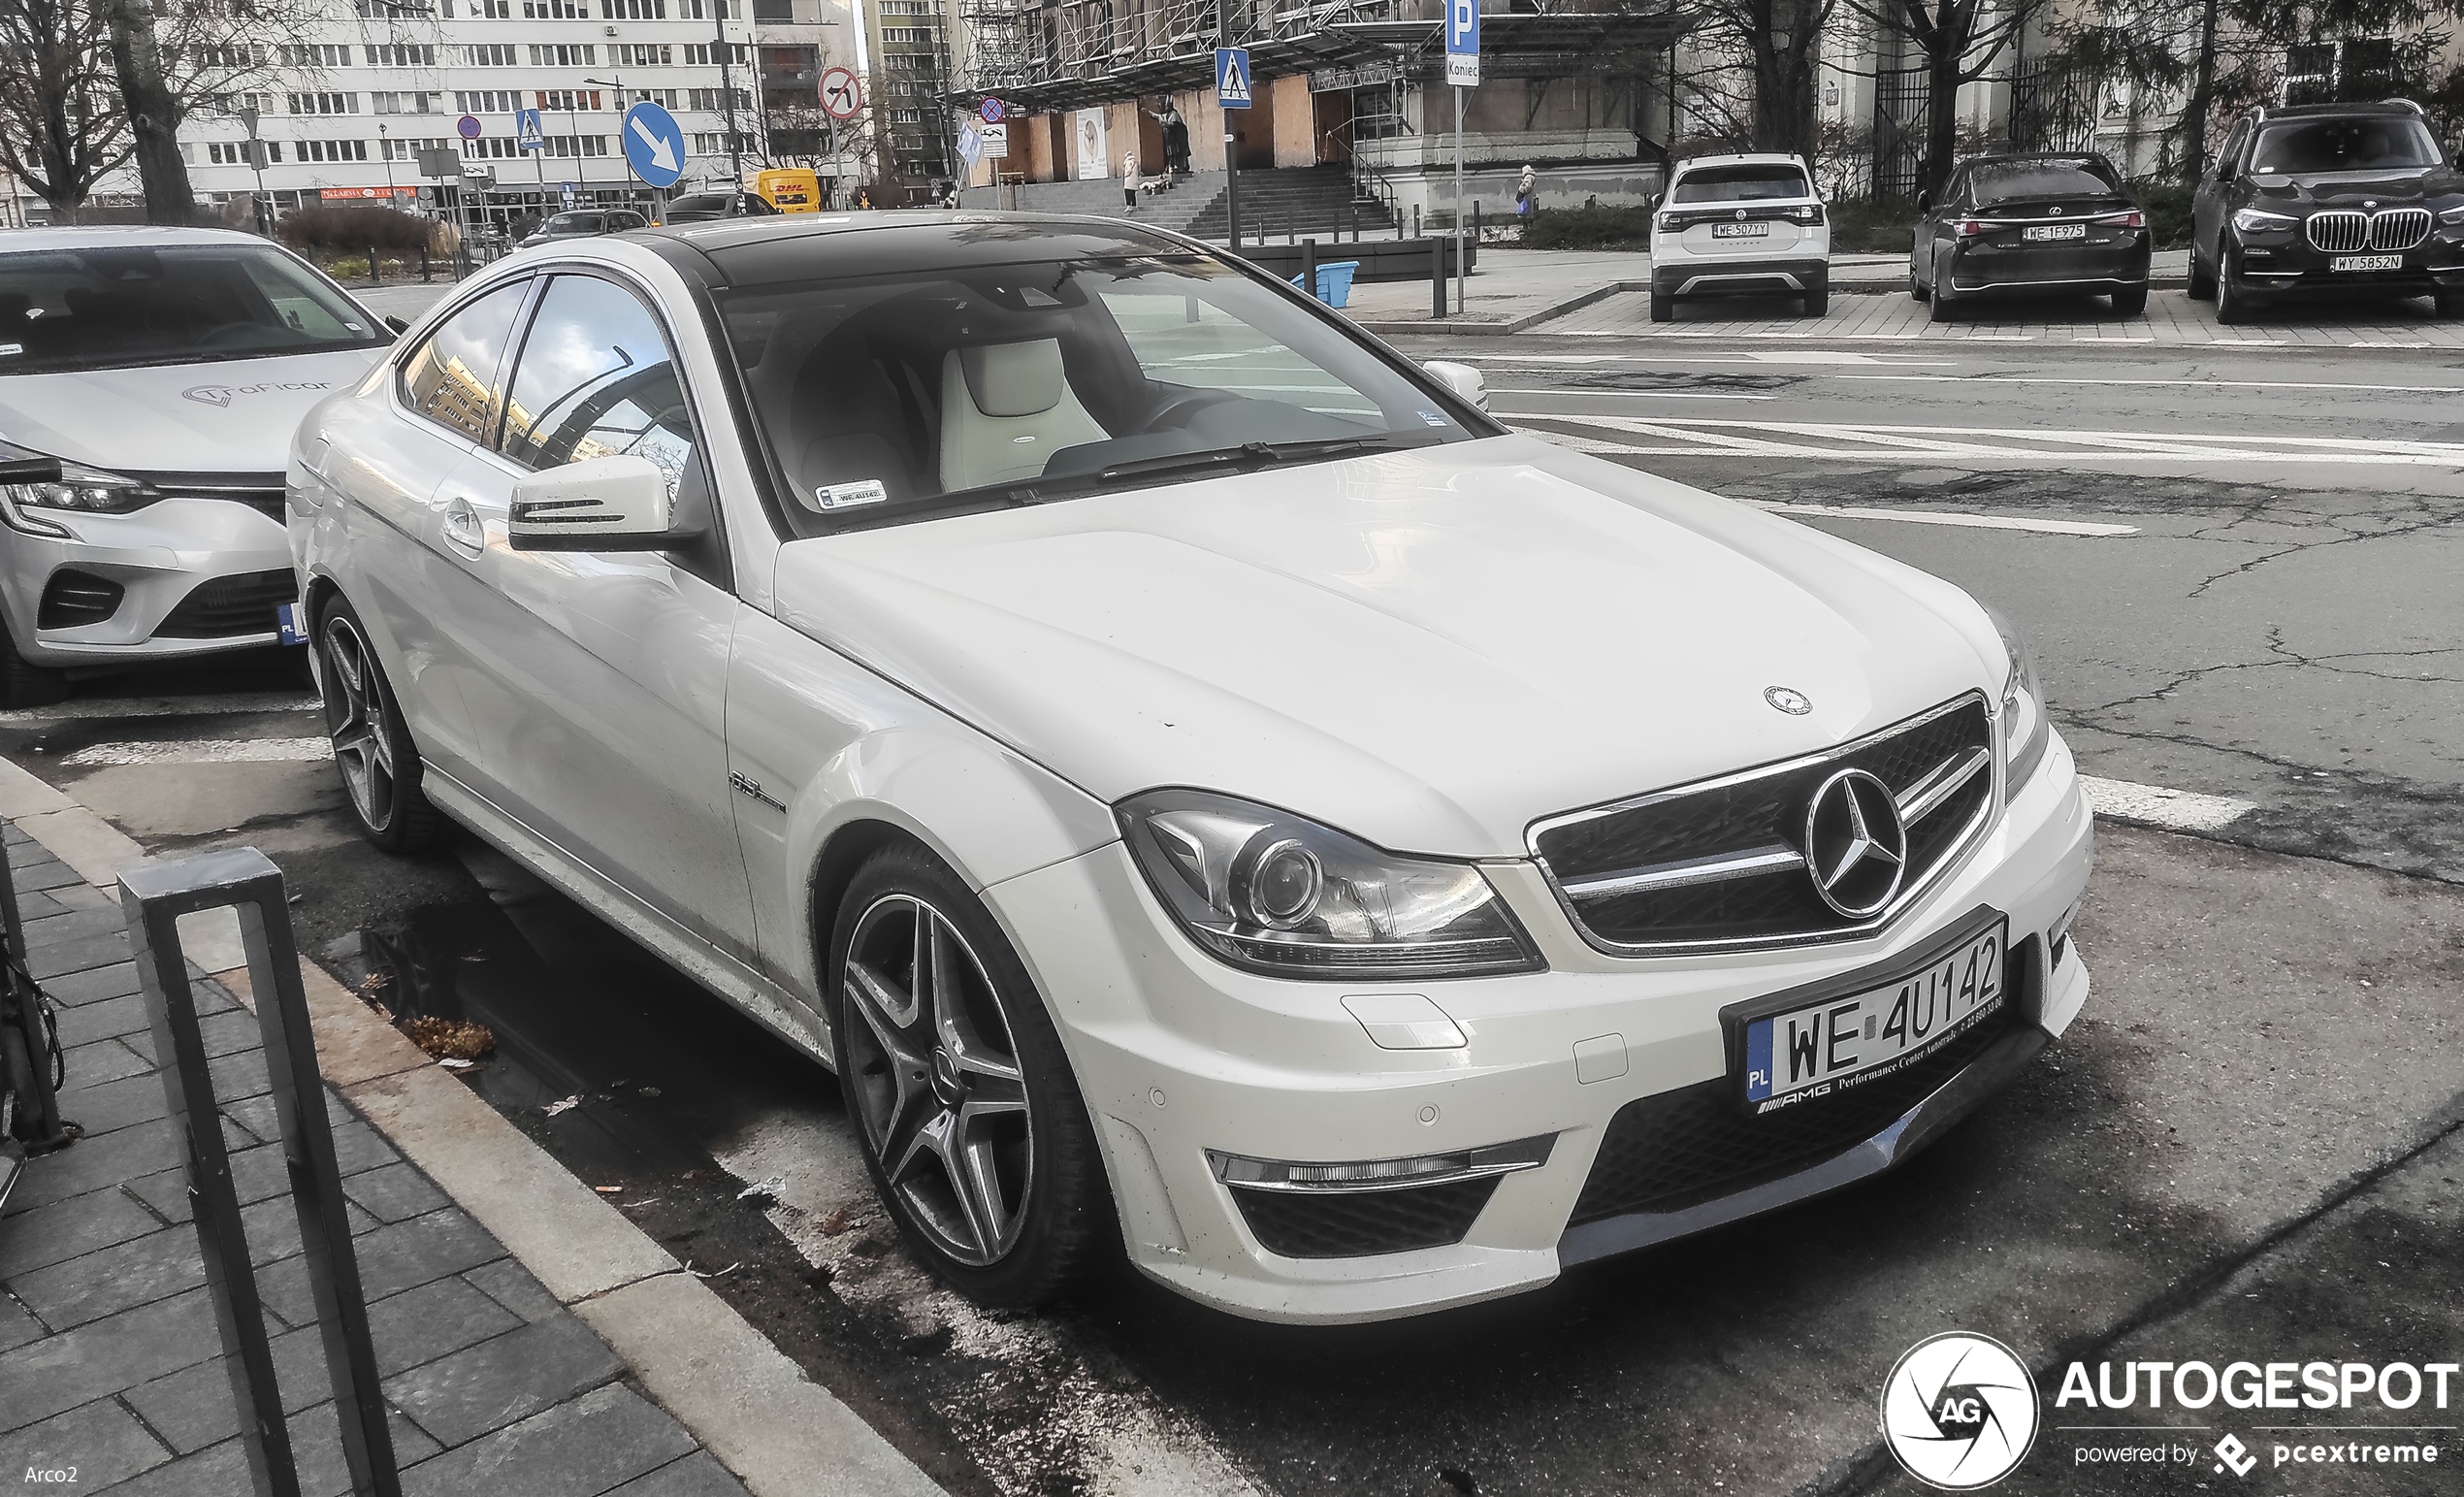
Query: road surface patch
pixel 85 707
pixel 2167 811
pixel 205 751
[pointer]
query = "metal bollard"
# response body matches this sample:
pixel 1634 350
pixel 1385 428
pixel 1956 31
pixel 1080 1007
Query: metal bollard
pixel 426 272
pixel 1309 269
pixel 1415 220
pixel 1437 276
pixel 376 275
pixel 154 896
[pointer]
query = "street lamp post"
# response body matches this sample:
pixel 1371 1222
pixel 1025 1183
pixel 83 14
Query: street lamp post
pixel 256 162
pixel 385 149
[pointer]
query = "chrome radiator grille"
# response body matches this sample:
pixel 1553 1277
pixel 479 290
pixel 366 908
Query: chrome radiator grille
pixel 1723 864
pixel 2399 228
pixel 2340 231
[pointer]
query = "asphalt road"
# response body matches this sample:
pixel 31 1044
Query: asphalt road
pixel 2246 1147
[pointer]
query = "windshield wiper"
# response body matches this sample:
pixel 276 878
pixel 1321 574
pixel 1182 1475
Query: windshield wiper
pixel 1246 453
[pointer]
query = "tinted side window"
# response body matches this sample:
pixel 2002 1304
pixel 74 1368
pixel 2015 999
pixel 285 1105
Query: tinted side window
pixel 451 380
pixel 2228 159
pixel 595 380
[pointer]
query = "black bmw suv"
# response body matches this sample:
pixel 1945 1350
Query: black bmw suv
pixel 2329 196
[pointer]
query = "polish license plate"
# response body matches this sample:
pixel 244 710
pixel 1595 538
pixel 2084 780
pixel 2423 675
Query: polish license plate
pixel 2045 233
pixel 2366 263
pixel 1756 230
pixel 1837 1046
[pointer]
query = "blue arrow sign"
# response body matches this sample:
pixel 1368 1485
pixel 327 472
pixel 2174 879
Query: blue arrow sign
pixel 528 133
pixel 654 145
pixel 1232 76
pixel 1463 42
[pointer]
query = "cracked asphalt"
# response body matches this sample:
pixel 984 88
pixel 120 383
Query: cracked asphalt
pixel 2248 1147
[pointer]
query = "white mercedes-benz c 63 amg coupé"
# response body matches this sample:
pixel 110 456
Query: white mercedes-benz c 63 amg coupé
pixel 1190 772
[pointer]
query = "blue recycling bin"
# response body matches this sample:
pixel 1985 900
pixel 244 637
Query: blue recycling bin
pixel 1334 282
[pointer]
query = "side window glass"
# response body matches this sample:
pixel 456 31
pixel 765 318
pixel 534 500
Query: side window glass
pixel 2228 161
pixel 451 380
pixel 595 379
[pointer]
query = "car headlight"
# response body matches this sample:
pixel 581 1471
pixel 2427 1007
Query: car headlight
pixel 86 490
pixel 1267 891
pixel 2452 215
pixel 2026 727
pixel 2257 221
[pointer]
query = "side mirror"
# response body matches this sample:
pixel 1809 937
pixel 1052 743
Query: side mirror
pixel 1657 199
pixel 398 324
pixel 1463 379
pixel 1925 202
pixel 608 504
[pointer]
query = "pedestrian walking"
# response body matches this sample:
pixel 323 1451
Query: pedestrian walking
pixel 1526 194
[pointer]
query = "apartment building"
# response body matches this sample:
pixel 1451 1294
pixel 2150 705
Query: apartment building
pixel 916 52
pixel 359 98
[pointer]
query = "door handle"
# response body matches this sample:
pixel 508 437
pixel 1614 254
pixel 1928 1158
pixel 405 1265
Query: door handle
pixel 461 528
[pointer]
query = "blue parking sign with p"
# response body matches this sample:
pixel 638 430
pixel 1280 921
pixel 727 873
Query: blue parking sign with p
pixel 1232 76
pixel 1463 42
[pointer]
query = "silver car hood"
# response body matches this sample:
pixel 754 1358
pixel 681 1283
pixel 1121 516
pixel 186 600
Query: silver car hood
pixel 234 416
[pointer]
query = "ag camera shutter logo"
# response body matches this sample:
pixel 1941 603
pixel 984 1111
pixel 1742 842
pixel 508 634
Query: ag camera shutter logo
pixel 1959 1412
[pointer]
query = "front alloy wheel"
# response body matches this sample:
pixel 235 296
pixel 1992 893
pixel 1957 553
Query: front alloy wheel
pixel 936 1083
pixel 379 767
pixel 969 1118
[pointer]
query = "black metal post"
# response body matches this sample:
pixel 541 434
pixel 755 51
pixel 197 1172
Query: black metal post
pixel 153 897
pixel 1309 267
pixel 375 276
pixel 1437 276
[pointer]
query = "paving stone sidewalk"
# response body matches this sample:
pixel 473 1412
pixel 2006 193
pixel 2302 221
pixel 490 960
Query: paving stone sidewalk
pixel 110 1360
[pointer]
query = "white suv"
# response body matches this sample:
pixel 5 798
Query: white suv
pixel 1739 224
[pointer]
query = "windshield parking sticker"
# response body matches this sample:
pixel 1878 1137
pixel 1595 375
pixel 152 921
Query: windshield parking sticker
pixel 846 496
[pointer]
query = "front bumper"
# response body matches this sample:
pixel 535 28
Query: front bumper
pixel 1725 275
pixel 2284 263
pixel 158 556
pixel 1184 1062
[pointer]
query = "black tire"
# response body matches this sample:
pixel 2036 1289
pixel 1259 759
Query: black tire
pixel 2233 302
pixel 1664 307
pixel 1045 1223
pixel 1918 291
pixel 1944 299
pixel 372 750
pixel 2131 302
pixel 23 684
pixel 1818 301
pixel 2202 287
pixel 2450 304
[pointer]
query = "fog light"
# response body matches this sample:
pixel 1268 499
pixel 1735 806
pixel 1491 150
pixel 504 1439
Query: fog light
pixel 1422 1169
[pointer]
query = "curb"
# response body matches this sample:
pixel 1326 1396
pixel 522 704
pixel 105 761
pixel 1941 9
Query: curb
pixel 782 1434
pixel 1882 286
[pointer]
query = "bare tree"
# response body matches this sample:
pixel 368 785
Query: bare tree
pixel 1960 41
pixel 87 85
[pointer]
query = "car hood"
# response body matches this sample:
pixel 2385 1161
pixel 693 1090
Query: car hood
pixel 1428 649
pixel 2351 189
pixel 236 416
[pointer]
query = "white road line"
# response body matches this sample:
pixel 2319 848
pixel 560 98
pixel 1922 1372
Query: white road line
pixel 2168 810
pixel 1937 517
pixel 1656 395
pixel 204 751
pixel 90 707
pixel 2221 384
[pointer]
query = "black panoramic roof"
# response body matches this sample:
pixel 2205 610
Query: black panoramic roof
pixel 767 250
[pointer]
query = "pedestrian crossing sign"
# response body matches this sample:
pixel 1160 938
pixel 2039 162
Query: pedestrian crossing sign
pixel 1232 76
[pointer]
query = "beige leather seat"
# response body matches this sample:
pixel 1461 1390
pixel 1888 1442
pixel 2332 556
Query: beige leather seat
pixel 1005 409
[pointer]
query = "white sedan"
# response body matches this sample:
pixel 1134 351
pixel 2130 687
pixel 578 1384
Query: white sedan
pixel 1210 792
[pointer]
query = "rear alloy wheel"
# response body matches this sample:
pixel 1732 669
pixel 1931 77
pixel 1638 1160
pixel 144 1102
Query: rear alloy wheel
pixel 1664 307
pixel 2131 302
pixel 23 684
pixel 1944 299
pixel 2233 301
pixel 970 1121
pixel 372 748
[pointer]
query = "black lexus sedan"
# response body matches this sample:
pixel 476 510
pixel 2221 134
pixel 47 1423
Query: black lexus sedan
pixel 2329 196
pixel 2032 222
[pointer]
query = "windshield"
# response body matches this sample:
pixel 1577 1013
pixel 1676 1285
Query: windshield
pixel 926 392
pixel 573 223
pixel 1740 184
pixel 2002 181
pixel 2371 144
pixel 126 304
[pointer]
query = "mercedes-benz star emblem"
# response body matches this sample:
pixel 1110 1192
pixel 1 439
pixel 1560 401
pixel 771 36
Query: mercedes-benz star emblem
pixel 1856 847
pixel 1788 700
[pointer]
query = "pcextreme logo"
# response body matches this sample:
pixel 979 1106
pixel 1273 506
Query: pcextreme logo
pixel 1960 1411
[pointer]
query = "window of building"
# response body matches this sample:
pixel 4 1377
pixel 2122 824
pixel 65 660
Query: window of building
pixel 643 54
pixel 633 10
pixel 561 55
pixel 777 11
pixel 567 101
pixel 407 102
pixel 577 145
pixel 409 150
pixel 332 150
pixel 316 55
pixel 715 100
pixel 705 54
pixel 491 54
pixel 324 103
